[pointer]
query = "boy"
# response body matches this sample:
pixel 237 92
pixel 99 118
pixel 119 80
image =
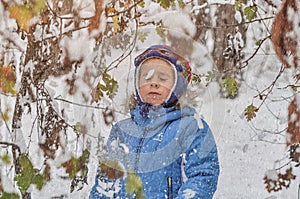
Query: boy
pixel 162 142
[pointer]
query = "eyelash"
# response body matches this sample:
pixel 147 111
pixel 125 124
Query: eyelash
pixel 160 78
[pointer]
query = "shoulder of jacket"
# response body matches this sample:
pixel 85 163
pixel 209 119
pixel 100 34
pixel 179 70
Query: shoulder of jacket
pixel 123 122
pixel 200 122
pixel 203 125
pixel 194 116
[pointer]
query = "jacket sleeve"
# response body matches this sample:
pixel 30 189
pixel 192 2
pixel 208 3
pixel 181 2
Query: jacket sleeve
pixel 201 167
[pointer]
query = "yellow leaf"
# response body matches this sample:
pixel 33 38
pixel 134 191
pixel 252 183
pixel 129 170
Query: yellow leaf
pixel 22 14
pixel 38 6
pixel 5 115
pixel 116 24
pixel 295 88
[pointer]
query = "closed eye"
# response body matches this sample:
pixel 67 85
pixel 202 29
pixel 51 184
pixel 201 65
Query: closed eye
pixel 163 79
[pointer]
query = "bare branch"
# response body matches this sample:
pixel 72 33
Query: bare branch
pixel 269 89
pixel 246 62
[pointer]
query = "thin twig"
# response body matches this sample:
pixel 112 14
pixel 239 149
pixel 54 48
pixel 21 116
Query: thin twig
pixel 233 25
pixel 77 104
pixel 269 88
pixel 255 52
pixel 130 48
pixel 11 144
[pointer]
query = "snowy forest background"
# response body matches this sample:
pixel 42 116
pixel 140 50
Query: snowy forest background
pixel 66 75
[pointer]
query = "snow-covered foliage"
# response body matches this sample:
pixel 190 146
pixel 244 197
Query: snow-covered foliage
pixel 66 74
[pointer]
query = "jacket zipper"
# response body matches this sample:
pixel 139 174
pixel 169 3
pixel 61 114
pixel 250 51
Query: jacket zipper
pixel 170 191
pixel 138 150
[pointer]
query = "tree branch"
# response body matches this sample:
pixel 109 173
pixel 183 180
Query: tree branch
pixel 255 52
pixel 269 89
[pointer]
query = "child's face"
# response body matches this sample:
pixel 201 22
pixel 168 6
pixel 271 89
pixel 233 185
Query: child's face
pixel 156 79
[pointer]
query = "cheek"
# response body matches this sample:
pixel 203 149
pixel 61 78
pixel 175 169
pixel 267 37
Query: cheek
pixel 142 89
pixel 168 85
pixel 141 82
pixel 166 91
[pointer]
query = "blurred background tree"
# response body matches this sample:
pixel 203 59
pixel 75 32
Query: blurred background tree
pixel 71 45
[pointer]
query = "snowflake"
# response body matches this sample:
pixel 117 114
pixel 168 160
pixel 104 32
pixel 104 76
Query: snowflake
pixel 189 193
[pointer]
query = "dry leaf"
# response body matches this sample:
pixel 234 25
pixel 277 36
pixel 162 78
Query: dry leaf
pixel 22 14
pixel 285 43
pixel 293 123
pixel 96 19
pixel 7 80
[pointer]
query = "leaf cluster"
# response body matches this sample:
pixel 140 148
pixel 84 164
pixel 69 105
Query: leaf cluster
pixel 112 169
pixel 208 78
pixel 51 127
pixel 231 86
pixel 121 13
pixel 282 181
pixel 250 12
pixel 75 165
pixel 23 13
pixel 29 175
pixel 168 3
pixel 109 87
pixel 7 195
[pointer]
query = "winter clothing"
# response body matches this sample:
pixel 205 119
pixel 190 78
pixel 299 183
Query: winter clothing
pixel 173 153
pixel 167 143
pixel 182 67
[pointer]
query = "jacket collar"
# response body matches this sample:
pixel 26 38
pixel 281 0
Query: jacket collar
pixel 159 115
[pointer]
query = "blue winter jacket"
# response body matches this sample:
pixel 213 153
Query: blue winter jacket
pixel 168 144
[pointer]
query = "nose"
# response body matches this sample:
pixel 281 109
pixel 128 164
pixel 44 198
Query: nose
pixel 154 84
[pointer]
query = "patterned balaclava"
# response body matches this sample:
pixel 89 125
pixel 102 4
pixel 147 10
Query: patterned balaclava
pixel 181 67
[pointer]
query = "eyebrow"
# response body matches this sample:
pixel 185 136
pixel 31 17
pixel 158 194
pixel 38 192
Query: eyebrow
pixel 165 74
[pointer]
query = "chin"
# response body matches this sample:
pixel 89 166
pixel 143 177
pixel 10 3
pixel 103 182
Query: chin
pixel 154 104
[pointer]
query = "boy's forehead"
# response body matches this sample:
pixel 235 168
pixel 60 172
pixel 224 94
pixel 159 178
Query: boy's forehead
pixel 157 63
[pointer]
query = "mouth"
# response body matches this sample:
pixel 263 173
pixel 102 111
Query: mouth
pixel 153 93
